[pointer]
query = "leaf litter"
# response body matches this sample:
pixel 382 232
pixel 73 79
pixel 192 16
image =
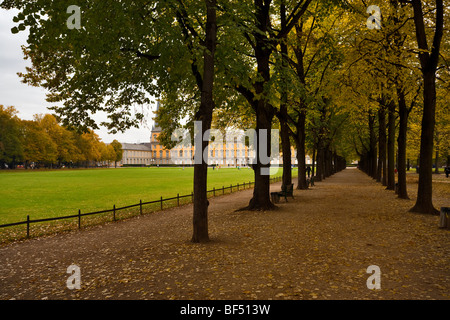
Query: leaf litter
pixel 316 246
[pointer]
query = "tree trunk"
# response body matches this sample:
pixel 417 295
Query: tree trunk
pixel 200 218
pixel 319 161
pixel 320 173
pixel 372 147
pixel 436 162
pixel 204 114
pixel 286 148
pixel 335 162
pixel 301 151
pixel 436 159
pixel 381 175
pixel 424 203
pixel 391 146
pixel 313 165
pixel 261 167
pixel 327 162
pixel 428 61
pixel 401 165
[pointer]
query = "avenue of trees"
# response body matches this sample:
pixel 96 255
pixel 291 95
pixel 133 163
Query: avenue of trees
pixel 339 80
pixel 42 142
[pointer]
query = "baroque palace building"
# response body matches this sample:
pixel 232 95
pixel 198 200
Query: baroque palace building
pixel 232 151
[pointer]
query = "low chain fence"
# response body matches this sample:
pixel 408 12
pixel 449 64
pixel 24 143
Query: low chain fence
pixel 141 208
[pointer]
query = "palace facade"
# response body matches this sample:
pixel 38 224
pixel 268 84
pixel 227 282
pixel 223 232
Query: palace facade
pixel 230 151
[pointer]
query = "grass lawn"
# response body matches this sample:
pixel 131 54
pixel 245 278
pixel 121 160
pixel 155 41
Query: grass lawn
pixel 45 194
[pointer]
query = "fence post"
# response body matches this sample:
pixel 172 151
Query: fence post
pixel 28 226
pixel 192 196
pixel 244 185
pixel 140 206
pixel 231 188
pixel 214 191
pixel 223 190
pixel 79 219
pixel 114 212
pixel 238 187
pixel 178 199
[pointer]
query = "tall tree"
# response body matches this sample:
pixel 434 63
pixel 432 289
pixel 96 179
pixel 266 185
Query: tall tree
pixel 403 76
pixel 108 64
pixel 188 91
pixel 312 54
pixel 204 115
pixel 11 148
pixel 118 151
pixel 282 114
pixel 429 57
pixel 258 30
pixel 62 137
pixel 38 145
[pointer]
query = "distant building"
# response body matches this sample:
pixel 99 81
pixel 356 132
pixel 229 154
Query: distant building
pixel 230 151
pixel 160 155
pixel 136 154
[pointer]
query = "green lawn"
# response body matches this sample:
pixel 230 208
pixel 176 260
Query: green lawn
pixel 45 194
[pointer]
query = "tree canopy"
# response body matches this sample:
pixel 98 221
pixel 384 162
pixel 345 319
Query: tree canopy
pixel 44 142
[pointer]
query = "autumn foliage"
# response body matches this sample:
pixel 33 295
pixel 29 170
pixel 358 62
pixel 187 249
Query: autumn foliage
pixel 43 142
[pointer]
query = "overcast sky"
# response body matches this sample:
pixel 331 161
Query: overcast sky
pixel 31 100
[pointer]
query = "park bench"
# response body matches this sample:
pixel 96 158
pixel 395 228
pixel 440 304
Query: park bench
pixel 286 190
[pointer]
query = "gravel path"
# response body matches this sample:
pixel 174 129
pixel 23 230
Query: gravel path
pixel 316 246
